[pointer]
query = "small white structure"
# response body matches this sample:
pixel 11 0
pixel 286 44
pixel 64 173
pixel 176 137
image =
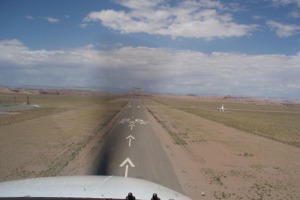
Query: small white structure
pixel 222 109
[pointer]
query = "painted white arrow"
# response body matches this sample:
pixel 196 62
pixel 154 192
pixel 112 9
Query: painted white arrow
pixel 127 161
pixel 141 121
pixel 130 137
pixel 124 120
pixel 131 126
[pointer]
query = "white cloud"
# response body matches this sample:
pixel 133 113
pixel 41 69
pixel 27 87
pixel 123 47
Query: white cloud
pixel 49 19
pixel 190 19
pixel 29 17
pixel 283 30
pixel 156 69
pixel 133 4
pixel 294 14
pixel 83 25
pixel 286 2
pixel 52 20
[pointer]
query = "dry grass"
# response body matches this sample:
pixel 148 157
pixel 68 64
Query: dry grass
pixel 277 122
pixel 225 162
pixel 224 155
pixel 54 104
pixel 43 141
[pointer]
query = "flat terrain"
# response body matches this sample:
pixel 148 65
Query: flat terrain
pixel 251 151
pixel 59 138
pixel 218 154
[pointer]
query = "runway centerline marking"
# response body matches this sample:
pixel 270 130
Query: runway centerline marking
pixel 128 163
pixel 130 137
pixel 131 125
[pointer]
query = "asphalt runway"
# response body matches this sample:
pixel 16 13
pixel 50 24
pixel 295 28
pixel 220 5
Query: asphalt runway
pixel 133 150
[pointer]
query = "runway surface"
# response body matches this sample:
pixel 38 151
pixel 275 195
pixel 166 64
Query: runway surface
pixel 133 150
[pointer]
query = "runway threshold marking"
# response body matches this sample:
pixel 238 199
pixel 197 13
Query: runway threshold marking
pixel 130 137
pixel 127 162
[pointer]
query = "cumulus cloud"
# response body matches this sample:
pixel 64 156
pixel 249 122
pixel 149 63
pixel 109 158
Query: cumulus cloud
pixel 190 19
pixel 283 30
pixel 153 69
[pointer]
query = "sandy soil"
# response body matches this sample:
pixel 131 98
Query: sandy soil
pixel 51 145
pixel 224 163
pixel 217 162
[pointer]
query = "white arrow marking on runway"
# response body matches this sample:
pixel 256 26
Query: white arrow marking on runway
pixel 127 161
pixel 141 121
pixel 130 137
pixel 124 120
pixel 131 125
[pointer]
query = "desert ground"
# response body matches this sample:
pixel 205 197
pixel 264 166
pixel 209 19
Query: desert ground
pixel 225 162
pixel 251 151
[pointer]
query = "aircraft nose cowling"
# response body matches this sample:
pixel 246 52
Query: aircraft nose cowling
pixel 111 187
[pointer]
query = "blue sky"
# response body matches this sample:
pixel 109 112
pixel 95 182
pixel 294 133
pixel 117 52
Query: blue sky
pixel 238 47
